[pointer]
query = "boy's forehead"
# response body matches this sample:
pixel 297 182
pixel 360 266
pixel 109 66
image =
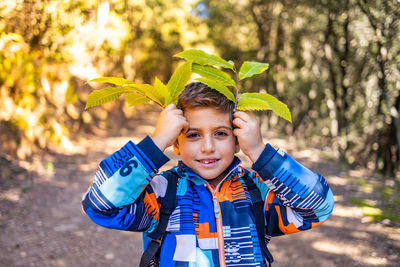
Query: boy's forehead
pixel 200 110
pixel 207 116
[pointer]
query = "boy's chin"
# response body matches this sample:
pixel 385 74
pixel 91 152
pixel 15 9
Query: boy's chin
pixel 215 178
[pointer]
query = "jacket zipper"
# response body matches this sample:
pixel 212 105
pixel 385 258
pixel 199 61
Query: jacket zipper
pixel 217 213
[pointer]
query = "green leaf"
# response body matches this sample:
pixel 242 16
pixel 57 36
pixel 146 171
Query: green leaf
pixel 274 104
pixel 178 80
pixel 163 89
pixel 214 74
pixel 252 104
pixel 136 99
pixel 105 95
pixel 217 86
pixel 203 58
pixel 149 91
pixel 113 80
pixel 249 69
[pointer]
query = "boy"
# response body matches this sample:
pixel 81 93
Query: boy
pixel 214 222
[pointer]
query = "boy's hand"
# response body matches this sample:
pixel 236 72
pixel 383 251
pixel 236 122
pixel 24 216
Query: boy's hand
pixel 247 130
pixel 170 124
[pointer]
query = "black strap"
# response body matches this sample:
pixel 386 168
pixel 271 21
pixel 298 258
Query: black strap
pixel 258 209
pixel 148 255
pixel 167 207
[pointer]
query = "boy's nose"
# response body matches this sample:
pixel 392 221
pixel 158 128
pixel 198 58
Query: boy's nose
pixel 207 145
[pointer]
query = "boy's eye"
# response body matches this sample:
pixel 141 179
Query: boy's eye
pixel 221 133
pixel 192 135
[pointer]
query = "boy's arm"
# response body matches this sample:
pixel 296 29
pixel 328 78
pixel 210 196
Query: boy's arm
pixel 298 199
pixel 124 194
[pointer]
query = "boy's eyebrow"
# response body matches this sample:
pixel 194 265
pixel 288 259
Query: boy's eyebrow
pixel 218 127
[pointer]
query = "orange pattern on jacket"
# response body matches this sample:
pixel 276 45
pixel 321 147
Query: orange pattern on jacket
pixel 202 229
pixel 287 229
pixel 151 205
pixel 232 190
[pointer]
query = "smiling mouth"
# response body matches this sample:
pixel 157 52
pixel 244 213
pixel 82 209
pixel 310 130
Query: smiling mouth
pixel 208 162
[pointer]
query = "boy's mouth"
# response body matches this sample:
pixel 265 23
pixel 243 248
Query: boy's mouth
pixel 208 162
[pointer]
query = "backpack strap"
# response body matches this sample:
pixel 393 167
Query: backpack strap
pixel 167 207
pixel 258 209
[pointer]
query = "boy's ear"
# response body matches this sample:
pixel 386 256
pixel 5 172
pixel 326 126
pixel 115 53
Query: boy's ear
pixel 176 147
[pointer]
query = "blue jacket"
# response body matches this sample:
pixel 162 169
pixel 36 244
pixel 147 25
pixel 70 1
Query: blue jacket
pixel 210 226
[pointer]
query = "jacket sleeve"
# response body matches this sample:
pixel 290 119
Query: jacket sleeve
pixel 296 199
pixel 125 193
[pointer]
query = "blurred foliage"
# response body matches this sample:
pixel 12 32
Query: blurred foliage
pixel 49 49
pixel 336 64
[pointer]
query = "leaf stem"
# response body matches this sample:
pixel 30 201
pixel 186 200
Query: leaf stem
pixel 237 86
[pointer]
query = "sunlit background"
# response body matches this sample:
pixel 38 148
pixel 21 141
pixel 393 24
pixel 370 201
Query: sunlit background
pixel 336 64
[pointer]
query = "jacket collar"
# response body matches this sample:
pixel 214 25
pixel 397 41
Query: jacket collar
pixel 234 170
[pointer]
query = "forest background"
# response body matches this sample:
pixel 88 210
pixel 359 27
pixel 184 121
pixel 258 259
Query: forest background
pixel 336 64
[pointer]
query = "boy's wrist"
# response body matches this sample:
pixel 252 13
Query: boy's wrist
pixel 264 159
pixel 153 152
pixel 159 142
pixel 255 153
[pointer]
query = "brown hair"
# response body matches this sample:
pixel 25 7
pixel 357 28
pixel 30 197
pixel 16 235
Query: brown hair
pixel 199 95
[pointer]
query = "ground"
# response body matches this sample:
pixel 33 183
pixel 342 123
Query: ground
pixel 42 222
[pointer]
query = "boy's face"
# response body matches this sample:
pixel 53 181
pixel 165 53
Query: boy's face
pixel 209 146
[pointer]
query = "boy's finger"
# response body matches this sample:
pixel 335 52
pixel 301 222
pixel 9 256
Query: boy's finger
pixel 237 132
pixel 177 112
pixel 185 127
pixel 237 113
pixel 170 107
pixel 242 115
pixel 238 122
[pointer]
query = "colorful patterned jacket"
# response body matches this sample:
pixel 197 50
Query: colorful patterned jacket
pixel 211 226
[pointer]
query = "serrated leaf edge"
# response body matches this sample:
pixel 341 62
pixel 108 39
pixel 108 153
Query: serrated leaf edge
pixel 217 61
pixel 98 101
pixel 122 82
pixel 286 112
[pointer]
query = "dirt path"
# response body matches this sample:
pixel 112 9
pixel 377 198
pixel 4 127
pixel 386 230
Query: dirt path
pixel 42 223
